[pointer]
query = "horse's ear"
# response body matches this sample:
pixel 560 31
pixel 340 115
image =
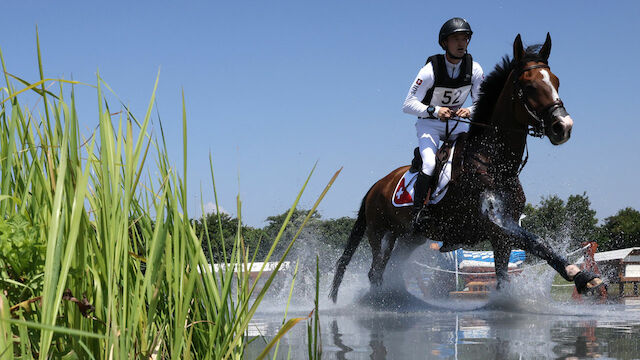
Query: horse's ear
pixel 518 50
pixel 546 48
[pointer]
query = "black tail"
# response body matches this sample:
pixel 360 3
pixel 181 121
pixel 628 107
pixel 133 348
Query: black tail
pixel 357 232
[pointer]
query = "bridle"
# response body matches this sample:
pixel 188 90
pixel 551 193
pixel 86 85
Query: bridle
pixel 537 128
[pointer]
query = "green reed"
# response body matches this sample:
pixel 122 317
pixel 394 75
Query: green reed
pixel 123 272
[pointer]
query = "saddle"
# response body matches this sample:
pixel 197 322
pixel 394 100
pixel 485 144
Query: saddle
pixel 448 168
pixel 442 156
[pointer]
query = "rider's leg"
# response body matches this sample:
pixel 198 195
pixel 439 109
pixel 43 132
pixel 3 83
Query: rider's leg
pixel 420 192
pixel 428 141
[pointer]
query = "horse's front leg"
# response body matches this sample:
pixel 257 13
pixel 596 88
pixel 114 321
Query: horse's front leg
pixel 533 244
pixel 501 254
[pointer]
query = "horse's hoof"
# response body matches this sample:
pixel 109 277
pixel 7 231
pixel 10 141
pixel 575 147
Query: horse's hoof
pixel 587 283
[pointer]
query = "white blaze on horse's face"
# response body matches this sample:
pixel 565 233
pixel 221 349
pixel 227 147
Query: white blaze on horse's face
pixel 547 80
pixel 559 131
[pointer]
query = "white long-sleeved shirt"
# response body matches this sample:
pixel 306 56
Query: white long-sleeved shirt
pixel 425 81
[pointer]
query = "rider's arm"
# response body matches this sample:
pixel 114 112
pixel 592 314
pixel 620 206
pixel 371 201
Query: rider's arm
pixel 477 76
pixel 418 90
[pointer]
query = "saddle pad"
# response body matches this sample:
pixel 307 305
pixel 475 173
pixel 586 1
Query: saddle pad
pixel 403 193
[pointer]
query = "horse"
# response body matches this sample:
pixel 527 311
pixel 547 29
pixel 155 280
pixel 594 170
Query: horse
pixel 485 199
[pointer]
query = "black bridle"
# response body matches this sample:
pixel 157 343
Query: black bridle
pixel 536 129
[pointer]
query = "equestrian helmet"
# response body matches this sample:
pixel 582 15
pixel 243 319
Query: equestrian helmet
pixel 453 26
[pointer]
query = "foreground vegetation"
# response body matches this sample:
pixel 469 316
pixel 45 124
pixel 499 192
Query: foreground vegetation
pixel 96 263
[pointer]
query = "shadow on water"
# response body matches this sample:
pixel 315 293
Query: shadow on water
pixel 397 300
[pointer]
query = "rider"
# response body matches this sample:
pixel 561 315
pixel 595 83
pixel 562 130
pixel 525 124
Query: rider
pixel 437 95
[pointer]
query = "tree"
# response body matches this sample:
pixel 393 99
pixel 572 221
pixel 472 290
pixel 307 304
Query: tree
pixel 554 219
pixel 335 232
pixel 621 230
pixel 581 218
pixel 325 238
pixel 229 226
pixel 320 233
pixel 274 224
pixel 548 219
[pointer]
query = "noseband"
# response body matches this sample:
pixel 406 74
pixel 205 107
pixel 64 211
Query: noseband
pixel 537 128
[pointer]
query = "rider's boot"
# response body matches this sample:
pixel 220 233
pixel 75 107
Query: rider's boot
pixel 420 192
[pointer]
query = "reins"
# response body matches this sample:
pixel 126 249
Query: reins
pixel 523 162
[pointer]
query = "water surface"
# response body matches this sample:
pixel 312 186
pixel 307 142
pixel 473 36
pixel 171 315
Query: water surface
pixel 563 332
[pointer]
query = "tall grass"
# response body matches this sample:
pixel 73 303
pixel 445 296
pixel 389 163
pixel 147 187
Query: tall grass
pixel 123 273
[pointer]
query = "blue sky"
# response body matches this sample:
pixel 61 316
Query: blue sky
pixel 271 87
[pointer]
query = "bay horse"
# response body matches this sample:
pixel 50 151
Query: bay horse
pixel 485 199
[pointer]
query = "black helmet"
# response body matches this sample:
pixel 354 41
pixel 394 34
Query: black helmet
pixel 453 26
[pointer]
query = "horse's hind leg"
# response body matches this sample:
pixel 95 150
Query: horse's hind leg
pixel 394 274
pixel 381 246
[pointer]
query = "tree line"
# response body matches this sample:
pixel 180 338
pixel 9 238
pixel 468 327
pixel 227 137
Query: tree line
pixel 329 233
pixel 574 219
pixel 552 218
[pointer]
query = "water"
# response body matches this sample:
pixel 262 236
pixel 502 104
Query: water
pixel 608 331
pixel 522 322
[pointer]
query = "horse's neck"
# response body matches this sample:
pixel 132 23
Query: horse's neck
pixel 506 140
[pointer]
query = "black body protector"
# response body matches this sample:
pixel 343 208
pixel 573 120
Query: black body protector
pixel 446 91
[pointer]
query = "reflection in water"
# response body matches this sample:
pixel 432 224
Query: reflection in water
pixel 337 340
pixel 385 328
pixel 365 334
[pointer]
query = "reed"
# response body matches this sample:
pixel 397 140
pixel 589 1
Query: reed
pixel 122 272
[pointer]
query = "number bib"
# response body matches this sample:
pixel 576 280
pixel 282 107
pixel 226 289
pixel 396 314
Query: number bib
pixel 446 91
pixel 450 97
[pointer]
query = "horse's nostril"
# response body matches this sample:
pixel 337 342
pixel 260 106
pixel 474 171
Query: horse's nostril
pixel 558 128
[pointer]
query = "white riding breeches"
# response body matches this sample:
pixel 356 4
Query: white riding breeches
pixel 430 132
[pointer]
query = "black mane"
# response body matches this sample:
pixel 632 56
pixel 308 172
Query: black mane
pixel 494 83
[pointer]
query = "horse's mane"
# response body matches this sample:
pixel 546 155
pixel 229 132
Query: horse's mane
pixel 494 83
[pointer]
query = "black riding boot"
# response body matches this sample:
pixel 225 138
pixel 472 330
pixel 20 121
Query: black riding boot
pixel 420 192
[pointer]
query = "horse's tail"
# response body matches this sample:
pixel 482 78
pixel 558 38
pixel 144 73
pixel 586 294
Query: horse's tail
pixel 357 232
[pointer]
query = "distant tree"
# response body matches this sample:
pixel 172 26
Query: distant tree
pixel 548 220
pixel 554 219
pixel 274 225
pixel 323 236
pixel 229 226
pixel 335 232
pixel 581 218
pixel 621 230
